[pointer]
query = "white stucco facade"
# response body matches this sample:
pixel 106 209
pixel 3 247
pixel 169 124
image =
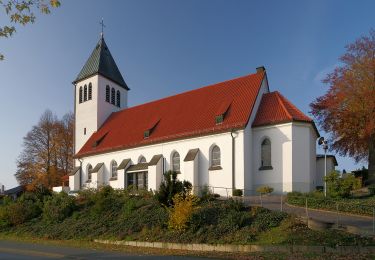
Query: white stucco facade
pixel 292 165
pixel 293 154
pixel 91 114
pixel 320 165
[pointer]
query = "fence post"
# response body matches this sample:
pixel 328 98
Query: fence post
pixel 281 201
pixel 337 211
pixel 307 212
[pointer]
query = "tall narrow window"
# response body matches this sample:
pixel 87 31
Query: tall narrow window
pixel 90 91
pixel 118 98
pixel 80 94
pixel 113 97
pixel 107 94
pixel 176 162
pixel 215 156
pixel 266 154
pixel 141 159
pixel 85 93
pixel 89 174
pixel 114 169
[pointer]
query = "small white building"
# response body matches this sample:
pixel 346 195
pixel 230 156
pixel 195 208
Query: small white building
pixel 230 135
pixel 320 167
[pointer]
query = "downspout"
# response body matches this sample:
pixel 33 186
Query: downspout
pixel 233 134
pixel 80 173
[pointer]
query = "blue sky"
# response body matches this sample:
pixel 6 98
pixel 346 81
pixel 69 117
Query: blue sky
pixel 164 47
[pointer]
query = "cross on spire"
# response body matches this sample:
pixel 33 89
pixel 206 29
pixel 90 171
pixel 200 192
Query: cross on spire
pixel 103 25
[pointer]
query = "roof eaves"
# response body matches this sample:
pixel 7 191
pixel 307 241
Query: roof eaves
pixel 153 141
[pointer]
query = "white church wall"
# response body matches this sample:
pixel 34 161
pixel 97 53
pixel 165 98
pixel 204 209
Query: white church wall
pixel 248 159
pixel 155 173
pixel 75 182
pixel 91 114
pixel 303 154
pixel 219 178
pixel 85 114
pixel 106 108
pixel 280 177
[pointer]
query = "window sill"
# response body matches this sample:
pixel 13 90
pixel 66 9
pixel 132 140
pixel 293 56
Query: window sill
pixel 113 179
pixel 264 168
pixel 215 168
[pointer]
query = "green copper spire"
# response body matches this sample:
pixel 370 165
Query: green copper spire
pixel 101 62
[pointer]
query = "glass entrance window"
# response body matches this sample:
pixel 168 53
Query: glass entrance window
pixel 139 180
pixel 131 179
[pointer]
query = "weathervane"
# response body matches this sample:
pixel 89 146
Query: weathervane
pixel 102 24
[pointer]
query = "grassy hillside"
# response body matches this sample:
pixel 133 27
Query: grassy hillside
pixel 119 215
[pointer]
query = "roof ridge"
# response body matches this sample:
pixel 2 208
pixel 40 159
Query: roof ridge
pixel 281 102
pixel 188 91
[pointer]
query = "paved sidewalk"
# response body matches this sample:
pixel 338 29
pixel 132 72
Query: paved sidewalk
pixel 363 223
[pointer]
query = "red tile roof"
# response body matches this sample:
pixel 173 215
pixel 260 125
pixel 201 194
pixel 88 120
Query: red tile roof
pixel 275 108
pixel 181 116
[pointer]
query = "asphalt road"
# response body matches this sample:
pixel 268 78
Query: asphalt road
pixel 28 251
pixel 363 223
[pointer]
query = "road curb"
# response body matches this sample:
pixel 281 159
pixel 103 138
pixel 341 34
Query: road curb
pixel 242 248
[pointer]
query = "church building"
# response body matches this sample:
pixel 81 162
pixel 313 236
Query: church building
pixel 235 134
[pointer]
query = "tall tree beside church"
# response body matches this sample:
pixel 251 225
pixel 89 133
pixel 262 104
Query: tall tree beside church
pixel 347 110
pixel 23 12
pixel 47 152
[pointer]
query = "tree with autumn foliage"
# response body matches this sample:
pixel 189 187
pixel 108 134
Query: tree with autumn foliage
pixel 47 152
pixel 23 12
pixel 347 110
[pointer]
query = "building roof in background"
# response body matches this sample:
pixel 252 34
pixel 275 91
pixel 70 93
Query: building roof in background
pixel 321 156
pixel 185 115
pixel 15 190
pixel 101 62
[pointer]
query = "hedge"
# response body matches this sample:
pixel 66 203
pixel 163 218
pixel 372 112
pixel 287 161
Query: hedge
pixel 316 201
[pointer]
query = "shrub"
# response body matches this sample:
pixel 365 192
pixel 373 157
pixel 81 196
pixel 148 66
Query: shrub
pixel 237 192
pixel 206 193
pixel 58 207
pixel 265 219
pixel 371 189
pixel 264 190
pixel 338 187
pixel 22 211
pixel 183 209
pixel 170 187
pixel 106 200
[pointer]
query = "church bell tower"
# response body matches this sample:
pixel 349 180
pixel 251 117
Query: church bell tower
pixel 100 90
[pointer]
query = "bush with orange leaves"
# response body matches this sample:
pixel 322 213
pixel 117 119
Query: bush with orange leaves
pixel 182 211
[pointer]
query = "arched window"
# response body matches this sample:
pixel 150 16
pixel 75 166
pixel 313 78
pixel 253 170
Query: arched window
pixel 85 93
pixel 107 90
pixel 80 94
pixel 176 162
pixel 89 169
pixel 215 156
pixel 142 159
pixel 266 153
pixel 113 97
pixel 118 98
pixel 90 91
pixel 114 169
